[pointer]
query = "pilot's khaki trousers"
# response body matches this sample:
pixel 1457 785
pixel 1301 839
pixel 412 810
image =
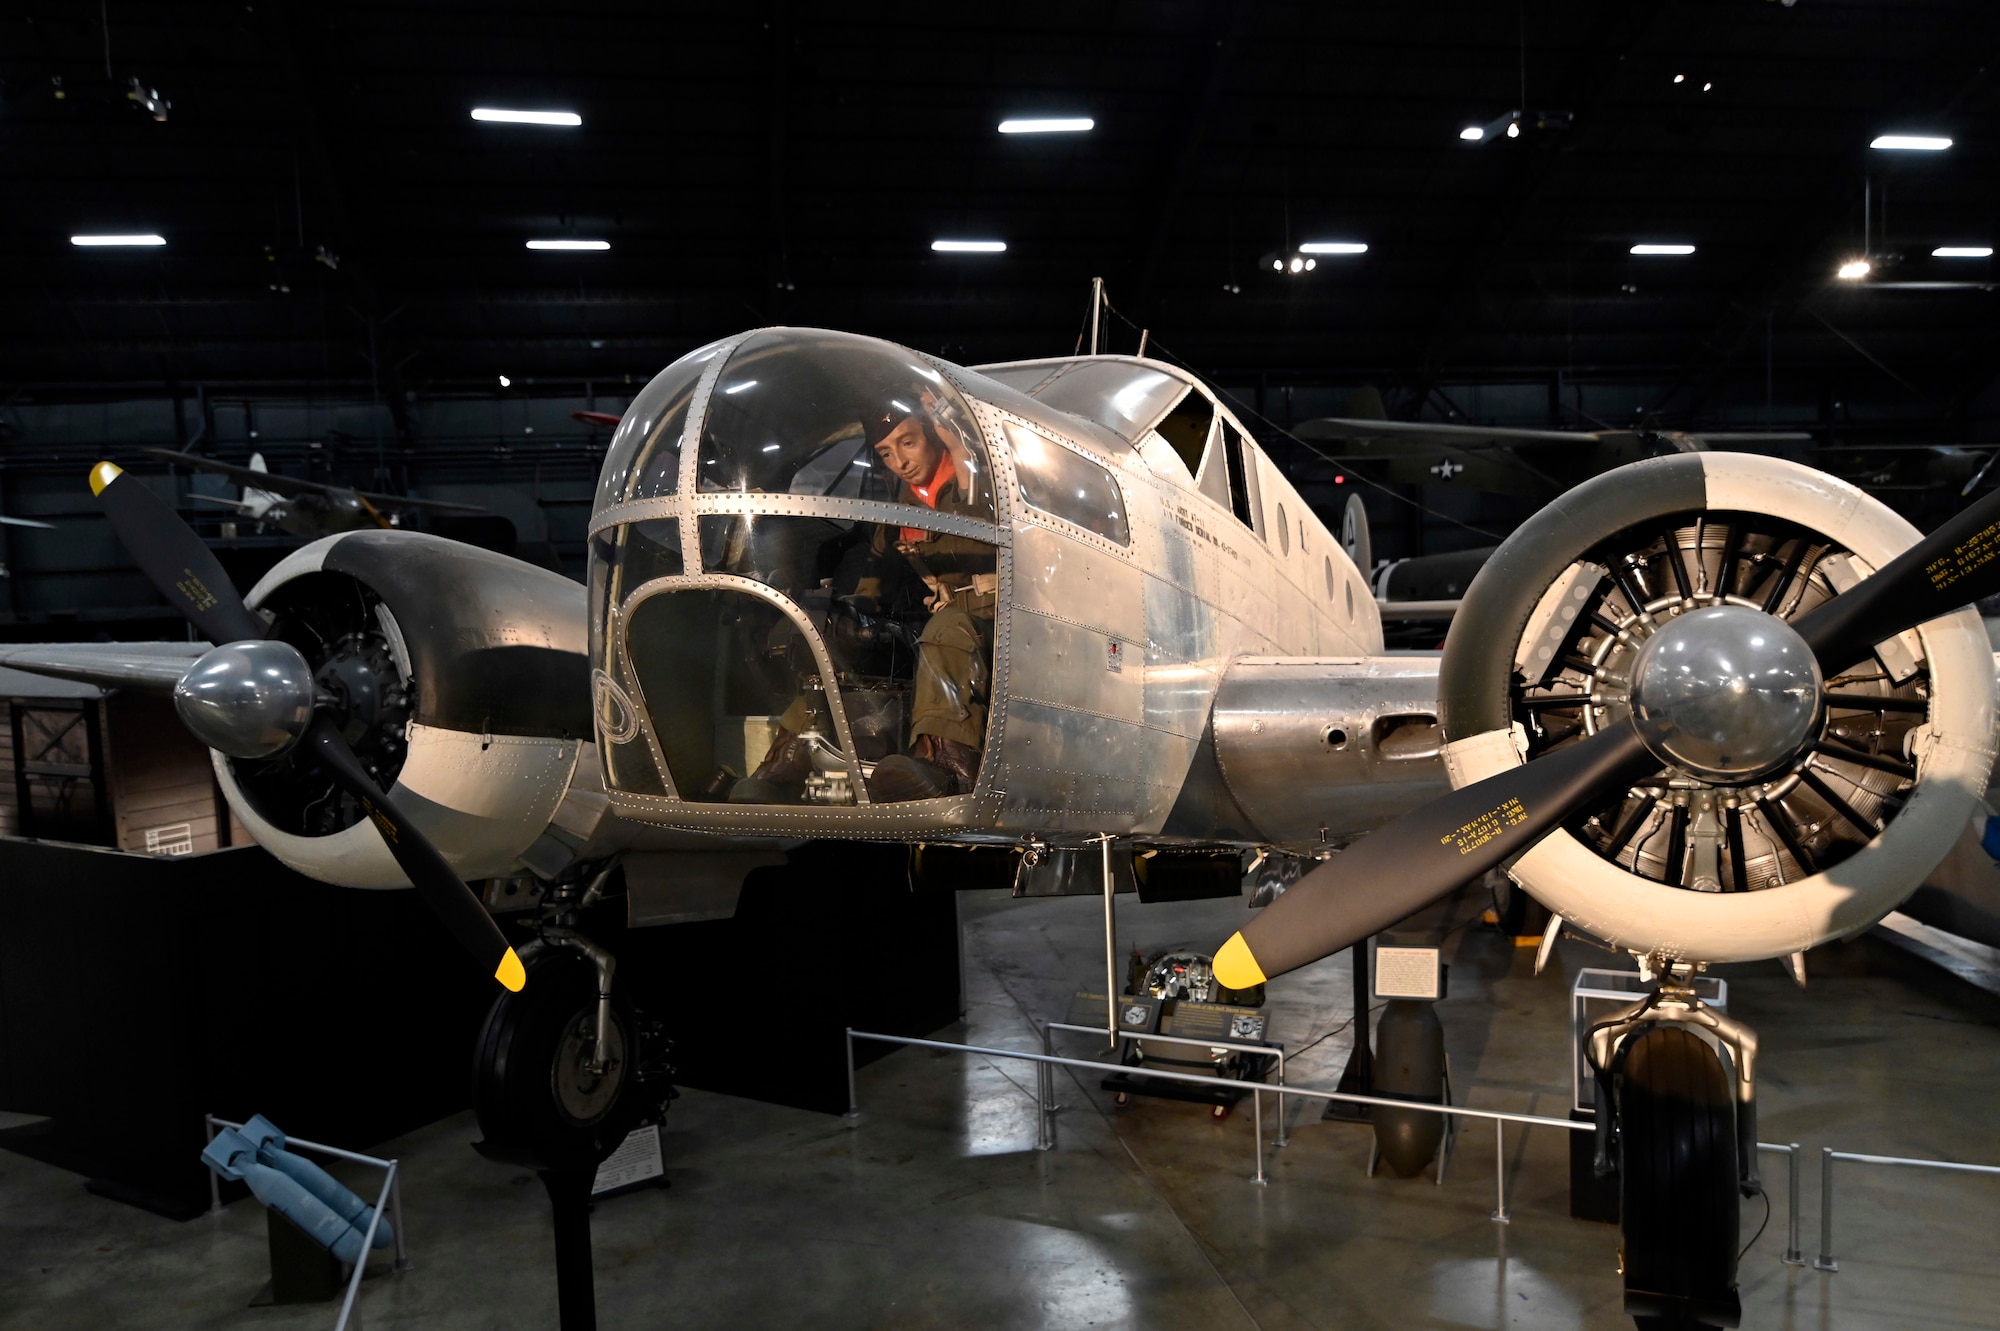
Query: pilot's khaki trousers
pixel 955 672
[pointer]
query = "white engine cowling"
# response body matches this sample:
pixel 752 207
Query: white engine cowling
pixel 1531 597
pixel 481 701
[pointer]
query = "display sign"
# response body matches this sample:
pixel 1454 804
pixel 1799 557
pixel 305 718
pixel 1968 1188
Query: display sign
pixel 1217 1021
pixel 637 1160
pixel 1139 1013
pixel 1408 972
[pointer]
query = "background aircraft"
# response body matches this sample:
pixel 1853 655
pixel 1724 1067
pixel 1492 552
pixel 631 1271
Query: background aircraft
pixel 310 509
pixel 1175 653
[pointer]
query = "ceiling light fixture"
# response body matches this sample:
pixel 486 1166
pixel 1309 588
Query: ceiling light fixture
pixel 1663 249
pixel 1706 86
pixel 1854 270
pixel 1333 247
pixel 969 246
pixel 1680 78
pixel 1917 143
pixel 1472 133
pixel 1513 129
pixel 1962 252
pixel 505 382
pixel 1048 125
pixel 145 240
pixel 569 244
pixel 566 119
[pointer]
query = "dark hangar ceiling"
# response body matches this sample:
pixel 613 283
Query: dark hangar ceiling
pixel 767 163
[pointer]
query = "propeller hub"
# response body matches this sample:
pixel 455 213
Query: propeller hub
pixel 1726 694
pixel 247 699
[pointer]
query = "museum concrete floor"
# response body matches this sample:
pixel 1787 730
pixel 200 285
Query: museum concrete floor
pixel 933 1209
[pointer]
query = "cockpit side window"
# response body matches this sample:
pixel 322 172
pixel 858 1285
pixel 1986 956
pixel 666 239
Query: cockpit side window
pixel 1186 427
pixel 1068 485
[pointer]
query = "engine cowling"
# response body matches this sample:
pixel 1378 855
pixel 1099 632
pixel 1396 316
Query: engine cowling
pixel 462 678
pixel 1679 867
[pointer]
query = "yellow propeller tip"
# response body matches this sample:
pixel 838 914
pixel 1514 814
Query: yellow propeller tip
pixel 103 474
pixel 1235 967
pixel 511 973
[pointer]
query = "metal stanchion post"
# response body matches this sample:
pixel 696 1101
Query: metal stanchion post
pixel 1500 1170
pixel 1825 1262
pixel 1282 1140
pixel 1045 1094
pixel 396 1214
pixel 214 1184
pixel 1257 1132
pixel 853 1105
pixel 1792 1257
pixel 1110 951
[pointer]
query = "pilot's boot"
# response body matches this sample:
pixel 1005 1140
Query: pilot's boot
pixel 932 768
pixel 777 780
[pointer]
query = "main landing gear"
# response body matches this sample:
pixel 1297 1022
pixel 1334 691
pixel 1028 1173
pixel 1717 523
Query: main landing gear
pixel 1677 1117
pixel 563 1070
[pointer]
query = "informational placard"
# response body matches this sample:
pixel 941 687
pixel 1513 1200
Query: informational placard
pixel 1407 972
pixel 1217 1021
pixel 173 839
pixel 1086 1009
pixel 636 1160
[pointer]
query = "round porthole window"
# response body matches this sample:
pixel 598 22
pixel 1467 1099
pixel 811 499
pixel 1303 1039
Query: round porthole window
pixel 1350 603
pixel 1328 562
pixel 1284 532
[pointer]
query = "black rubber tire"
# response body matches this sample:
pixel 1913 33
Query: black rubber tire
pixel 1679 1199
pixel 514 1067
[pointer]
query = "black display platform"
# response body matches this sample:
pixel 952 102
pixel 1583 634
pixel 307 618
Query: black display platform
pixel 138 993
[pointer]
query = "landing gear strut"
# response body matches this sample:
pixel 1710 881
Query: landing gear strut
pixel 1682 1132
pixel 564 1069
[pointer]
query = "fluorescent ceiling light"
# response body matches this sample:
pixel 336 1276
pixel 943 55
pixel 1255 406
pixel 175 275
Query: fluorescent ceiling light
pixel 1962 252
pixel 1663 249
pixel 1333 247
pixel 567 118
pixel 569 244
pixel 1921 143
pixel 1472 134
pixel 1854 270
pixel 147 239
pixel 969 246
pixel 1048 125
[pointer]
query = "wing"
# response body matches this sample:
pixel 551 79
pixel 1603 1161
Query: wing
pixel 145 667
pixel 1425 432
pixel 244 476
pixel 404 501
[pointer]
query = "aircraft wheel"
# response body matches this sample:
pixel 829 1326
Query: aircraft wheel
pixel 531 1087
pixel 1677 1134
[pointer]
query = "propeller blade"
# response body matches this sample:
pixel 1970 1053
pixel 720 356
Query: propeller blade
pixel 1955 565
pixel 1397 870
pixel 435 880
pixel 173 558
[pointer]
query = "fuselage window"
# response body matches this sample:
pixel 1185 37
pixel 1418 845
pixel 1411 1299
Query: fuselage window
pixel 1068 485
pixel 1329 583
pixel 1284 533
pixel 1349 587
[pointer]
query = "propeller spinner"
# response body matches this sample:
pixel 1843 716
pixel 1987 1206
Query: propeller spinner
pixel 253 697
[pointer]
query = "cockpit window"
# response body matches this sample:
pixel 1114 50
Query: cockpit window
pixel 819 413
pixel 1069 485
pixel 1126 398
pixel 644 460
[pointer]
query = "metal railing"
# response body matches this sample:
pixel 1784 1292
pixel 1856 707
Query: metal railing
pixel 1049 1105
pixel 391 1197
pixel 1825 1261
